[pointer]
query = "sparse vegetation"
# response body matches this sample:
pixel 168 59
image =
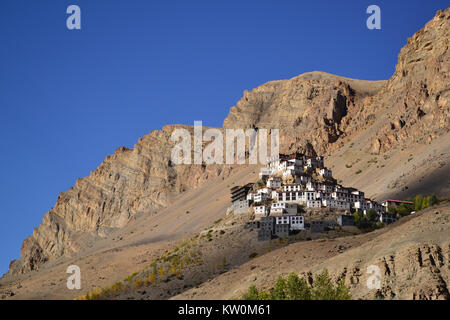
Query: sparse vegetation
pixel 421 203
pixel 253 255
pixel 367 222
pixel 261 183
pixel 370 118
pixel 138 283
pixel 294 288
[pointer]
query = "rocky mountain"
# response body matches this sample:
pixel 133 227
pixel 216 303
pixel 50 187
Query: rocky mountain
pixel 314 111
pixel 126 183
pixel 417 97
pixel 322 108
pixel 411 255
pixel 313 108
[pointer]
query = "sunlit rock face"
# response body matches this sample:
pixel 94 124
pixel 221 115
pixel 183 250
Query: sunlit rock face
pixel 315 112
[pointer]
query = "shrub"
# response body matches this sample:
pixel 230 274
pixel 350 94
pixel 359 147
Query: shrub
pixel 253 255
pixel 433 200
pixel 425 202
pixel 404 209
pixel 187 260
pixel 118 287
pixel 174 271
pixel 261 183
pixel 152 277
pixel 138 283
pixel 161 271
pixel 392 209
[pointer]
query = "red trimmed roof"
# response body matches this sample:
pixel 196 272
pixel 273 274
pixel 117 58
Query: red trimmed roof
pixel 399 201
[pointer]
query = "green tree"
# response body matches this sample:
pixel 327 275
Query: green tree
pixel 297 289
pixel 425 202
pixel 372 217
pixel 417 203
pixel 294 288
pixel 404 210
pixel 358 218
pixel 252 294
pixel 279 290
pixel 264 295
pixel 342 292
pixel 261 183
pixel 323 288
pixel 392 210
pixel 368 221
pixel 433 200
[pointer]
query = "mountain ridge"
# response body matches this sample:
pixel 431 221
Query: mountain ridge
pixel 316 108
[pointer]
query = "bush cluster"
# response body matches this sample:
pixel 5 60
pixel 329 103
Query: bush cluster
pixel 294 288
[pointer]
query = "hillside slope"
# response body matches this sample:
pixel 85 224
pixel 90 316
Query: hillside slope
pixel 411 107
pixel 129 182
pixel 413 255
pixel 132 247
pixel 388 138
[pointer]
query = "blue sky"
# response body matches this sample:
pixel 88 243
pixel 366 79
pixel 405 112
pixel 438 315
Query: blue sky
pixel 69 98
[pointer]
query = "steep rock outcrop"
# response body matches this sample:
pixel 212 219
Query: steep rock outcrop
pixel 141 179
pixel 310 108
pixel 314 112
pixel 417 97
pixel 321 108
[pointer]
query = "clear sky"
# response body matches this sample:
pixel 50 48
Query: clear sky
pixel 69 98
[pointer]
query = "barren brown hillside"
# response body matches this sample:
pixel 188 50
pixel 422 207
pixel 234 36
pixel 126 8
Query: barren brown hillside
pixel 133 247
pixel 413 255
pixel 388 138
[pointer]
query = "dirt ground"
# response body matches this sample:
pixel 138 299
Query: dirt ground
pixel 413 255
pixel 151 235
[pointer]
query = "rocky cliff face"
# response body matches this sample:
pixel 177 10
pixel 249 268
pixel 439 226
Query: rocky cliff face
pixel 311 108
pixel 321 108
pixel 314 111
pixel 409 259
pixel 135 180
pixel 417 97
pixel 413 260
